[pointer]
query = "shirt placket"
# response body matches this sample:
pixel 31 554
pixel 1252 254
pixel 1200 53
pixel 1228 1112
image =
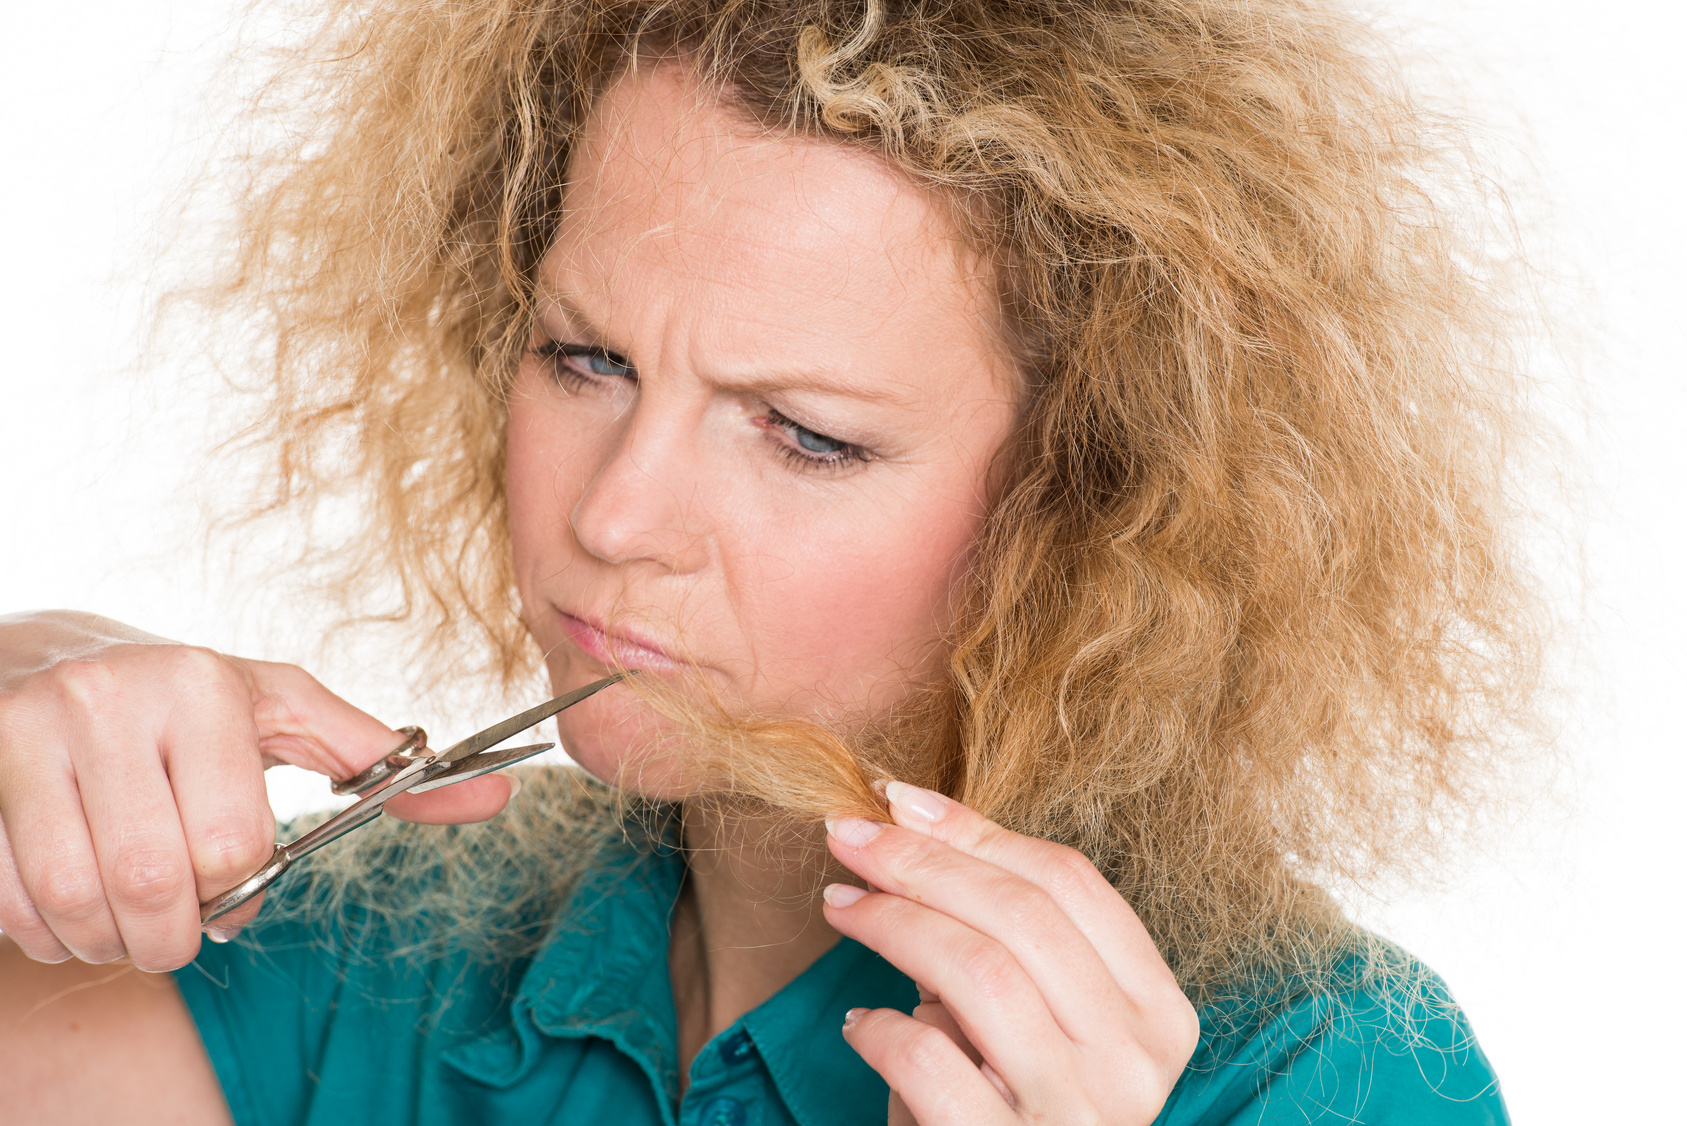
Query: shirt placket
pixel 729 1085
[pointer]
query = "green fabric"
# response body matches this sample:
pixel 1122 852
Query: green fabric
pixel 584 1032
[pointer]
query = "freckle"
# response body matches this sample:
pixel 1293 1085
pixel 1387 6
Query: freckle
pixel 75 1027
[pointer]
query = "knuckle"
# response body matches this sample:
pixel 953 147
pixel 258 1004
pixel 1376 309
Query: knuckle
pixel 990 968
pixel 1069 871
pixel 910 852
pixel 927 1049
pixel 83 685
pixel 1024 907
pixel 276 695
pixel 24 926
pixel 199 670
pixel 147 879
pixel 1138 1071
pixel 231 848
pixel 71 892
pixel 966 827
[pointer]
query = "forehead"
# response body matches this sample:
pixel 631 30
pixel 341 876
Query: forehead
pixel 671 180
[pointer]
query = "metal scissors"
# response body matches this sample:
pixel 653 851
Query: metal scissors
pixel 409 769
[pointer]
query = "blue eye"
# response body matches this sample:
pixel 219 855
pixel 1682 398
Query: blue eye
pixel 606 363
pixel 813 450
pixel 815 443
pixel 574 365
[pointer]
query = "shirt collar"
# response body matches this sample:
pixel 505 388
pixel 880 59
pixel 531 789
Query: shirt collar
pixel 799 1032
pixel 603 972
pixel 604 969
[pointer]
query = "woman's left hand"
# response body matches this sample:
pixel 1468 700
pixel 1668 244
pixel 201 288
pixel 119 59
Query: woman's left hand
pixel 1042 997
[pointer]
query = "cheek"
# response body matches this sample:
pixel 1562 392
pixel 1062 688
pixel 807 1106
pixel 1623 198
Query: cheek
pixel 860 616
pixel 543 482
pixel 620 741
pixel 529 482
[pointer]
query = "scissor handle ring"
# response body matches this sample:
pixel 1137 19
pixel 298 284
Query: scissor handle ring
pixel 221 905
pixel 415 746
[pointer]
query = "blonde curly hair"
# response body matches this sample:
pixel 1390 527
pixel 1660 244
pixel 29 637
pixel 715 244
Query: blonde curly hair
pixel 1247 614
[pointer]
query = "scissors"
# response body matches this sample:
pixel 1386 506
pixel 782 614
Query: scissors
pixel 409 769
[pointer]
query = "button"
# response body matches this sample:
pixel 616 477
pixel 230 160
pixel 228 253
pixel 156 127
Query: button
pixel 737 1048
pixel 721 1112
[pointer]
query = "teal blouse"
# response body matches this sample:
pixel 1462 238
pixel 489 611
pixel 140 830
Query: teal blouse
pixel 584 1032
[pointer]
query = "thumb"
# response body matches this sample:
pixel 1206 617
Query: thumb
pixel 303 724
pixel 474 800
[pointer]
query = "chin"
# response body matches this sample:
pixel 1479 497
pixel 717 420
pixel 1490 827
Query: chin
pixel 622 743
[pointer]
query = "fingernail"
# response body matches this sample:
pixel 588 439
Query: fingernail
pixel 842 895
pixel 220 935
pixel 854 831
pixel 852 1016
pixel 515 786
pixel 921 805
pixel 879 785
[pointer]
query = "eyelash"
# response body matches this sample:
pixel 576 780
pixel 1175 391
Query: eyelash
pixel 844 455
pixel 847 454
pixel 552 352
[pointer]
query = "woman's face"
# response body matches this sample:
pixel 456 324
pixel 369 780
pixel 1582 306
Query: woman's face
pixel 751 436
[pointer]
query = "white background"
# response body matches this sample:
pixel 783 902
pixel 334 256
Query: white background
pixel 1563 942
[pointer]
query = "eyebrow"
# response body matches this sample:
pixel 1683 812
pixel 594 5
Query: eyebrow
pixel 813 381
pixel 822 381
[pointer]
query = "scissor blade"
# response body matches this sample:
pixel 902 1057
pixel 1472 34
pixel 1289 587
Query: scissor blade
pixel 498 732
pixel 423 774
pixel 476 765
pixel 353 816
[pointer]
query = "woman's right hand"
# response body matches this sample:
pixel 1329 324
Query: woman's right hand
pixel 131 783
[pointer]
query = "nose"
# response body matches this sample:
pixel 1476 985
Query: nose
pixel 644 504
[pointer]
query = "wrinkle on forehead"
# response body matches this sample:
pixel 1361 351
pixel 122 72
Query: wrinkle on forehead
pixel 661 158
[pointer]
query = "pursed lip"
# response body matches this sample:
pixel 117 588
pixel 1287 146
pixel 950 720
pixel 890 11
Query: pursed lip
pixel 629 650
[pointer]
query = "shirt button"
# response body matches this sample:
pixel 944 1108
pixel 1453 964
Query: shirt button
pixel 737 1047
pixel 721 1112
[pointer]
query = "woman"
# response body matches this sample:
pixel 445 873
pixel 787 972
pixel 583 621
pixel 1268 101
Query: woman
pixel 1050 458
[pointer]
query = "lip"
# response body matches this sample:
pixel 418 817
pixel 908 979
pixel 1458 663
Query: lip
pixel 623 648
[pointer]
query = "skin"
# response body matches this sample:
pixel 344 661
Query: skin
pixel 748 446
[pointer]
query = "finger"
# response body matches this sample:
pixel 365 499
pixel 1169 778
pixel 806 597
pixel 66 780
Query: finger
pixel 19 920
pixel 143 857
pixel 1077 986
pixel 216 775
pixel 940 1086
pixel 228 926
pixel 996 1004
pixel 937 1014
pixel 474 800
pixel 1068 877
pixel 302 723
pixel 55 859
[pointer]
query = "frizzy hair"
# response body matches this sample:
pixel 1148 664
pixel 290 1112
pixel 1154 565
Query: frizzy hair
pixel 1245 616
